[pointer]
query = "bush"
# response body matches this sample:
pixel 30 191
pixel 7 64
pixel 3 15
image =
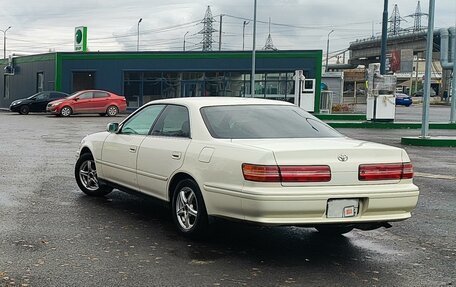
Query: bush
pixel 343 108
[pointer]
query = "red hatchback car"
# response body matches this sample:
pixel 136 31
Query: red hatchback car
pixel 88 101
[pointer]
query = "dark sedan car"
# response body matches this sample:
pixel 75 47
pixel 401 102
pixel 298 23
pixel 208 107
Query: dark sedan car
pixel 420 93
pixel 403 100
pixel 36 102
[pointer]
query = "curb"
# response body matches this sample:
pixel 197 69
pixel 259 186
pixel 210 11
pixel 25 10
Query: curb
pixel 431 141
pixel 341 117
pixel 390 125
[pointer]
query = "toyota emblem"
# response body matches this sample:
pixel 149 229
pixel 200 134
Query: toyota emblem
pixel 342 157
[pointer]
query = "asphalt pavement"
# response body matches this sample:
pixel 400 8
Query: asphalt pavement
pixel 51 234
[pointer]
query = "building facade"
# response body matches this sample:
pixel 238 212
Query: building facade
pixel 145 76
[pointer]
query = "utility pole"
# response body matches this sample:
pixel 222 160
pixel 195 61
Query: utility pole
pixel 427 72
pixel 252 80
pixel 384 39
pixel 243 33
pixel 137 44
pixel 184 39
pixel 220 32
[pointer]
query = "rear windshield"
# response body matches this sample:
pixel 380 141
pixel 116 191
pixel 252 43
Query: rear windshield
pixel 263 122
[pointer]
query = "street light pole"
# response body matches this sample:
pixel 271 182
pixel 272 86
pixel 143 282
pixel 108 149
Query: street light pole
pixel 327 51
pixel 4 41
pixel 243 33
pixel 184 39
pixel 137 45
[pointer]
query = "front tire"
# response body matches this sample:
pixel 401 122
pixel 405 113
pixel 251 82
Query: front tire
pixel 24 110
pixel 66 111
pixel 85 172
pixel 112 111
pixel 188 209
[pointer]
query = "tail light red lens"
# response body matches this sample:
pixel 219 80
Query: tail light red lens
pixel 305 173
pixel 385 171
pixel 284 173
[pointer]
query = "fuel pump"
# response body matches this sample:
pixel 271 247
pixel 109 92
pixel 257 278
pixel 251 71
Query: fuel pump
pixel 381 101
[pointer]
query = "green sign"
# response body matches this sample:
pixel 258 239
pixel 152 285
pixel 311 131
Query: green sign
pixel 80 39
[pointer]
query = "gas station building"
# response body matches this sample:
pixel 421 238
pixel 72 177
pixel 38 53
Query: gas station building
pixel 145 76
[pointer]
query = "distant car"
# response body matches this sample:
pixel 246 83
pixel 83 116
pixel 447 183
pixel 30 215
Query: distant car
pixel 419 93
pixel 89 101
pixel 262 161
pixel 403 100
pixel 36 102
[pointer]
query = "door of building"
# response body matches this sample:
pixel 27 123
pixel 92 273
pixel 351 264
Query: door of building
pixel 83 81
pixel 191 89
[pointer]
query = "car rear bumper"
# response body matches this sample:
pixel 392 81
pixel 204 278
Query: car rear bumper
pixel 308 206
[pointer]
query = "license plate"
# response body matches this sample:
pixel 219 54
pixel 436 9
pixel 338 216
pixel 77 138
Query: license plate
pixel 342 208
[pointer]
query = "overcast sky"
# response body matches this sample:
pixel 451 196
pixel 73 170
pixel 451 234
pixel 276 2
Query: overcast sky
pixel 38 26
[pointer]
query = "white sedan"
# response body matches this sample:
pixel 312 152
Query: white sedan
pixel 261 161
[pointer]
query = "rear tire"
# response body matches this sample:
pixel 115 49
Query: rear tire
pixel 112 111
pixel 85 172
pixel 66 111
pixel 24 110
pixel 188 209
pixel 334 230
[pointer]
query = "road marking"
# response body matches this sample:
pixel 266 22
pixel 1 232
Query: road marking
pixel 437 176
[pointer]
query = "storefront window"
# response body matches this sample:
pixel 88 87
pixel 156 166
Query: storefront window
pixel 132 93
pixel 142 87
pixel 152 90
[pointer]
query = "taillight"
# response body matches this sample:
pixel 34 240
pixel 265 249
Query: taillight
pixel 385 171
pixel 286 173
pixel 262 173
pixel 407 170
pixel 305 173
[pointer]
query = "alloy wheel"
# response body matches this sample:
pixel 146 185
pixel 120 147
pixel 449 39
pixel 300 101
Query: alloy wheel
pixel 186 208
pixel 88 175
pixel 112 111
pixel 66 111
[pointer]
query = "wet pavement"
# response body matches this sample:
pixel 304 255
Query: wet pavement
pixel 53 235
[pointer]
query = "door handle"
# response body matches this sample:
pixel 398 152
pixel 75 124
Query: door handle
pixel 176 155
pixel 132 149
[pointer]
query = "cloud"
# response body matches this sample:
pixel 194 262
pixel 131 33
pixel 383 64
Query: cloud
pixel 38 26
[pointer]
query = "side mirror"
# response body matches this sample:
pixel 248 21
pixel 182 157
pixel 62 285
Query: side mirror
pixel 112 127
pixel 75 99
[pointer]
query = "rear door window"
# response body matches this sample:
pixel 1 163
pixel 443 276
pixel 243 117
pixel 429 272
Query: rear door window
pixel 100 95
pixel 173 122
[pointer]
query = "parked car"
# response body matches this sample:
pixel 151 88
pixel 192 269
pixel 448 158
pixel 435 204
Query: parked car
pixel 36 102
pixel 419 93
pixel 257 160
pixel 403 100
pixel 89 101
